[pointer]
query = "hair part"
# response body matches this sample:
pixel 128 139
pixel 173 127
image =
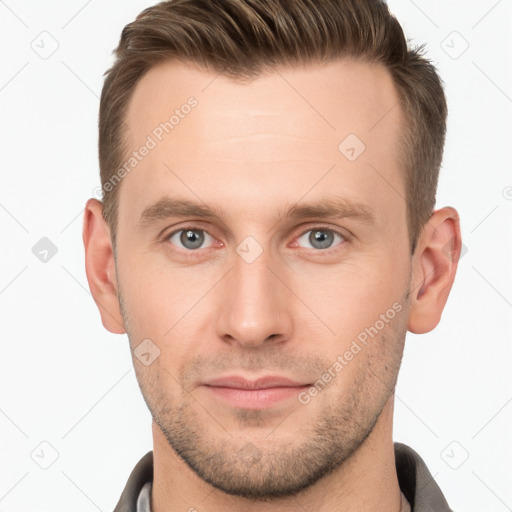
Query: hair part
pixel 241 39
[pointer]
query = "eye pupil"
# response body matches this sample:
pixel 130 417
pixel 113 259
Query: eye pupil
pixel 321 239
pixel 191 239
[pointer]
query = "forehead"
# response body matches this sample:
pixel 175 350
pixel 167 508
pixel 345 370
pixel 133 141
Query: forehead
pixel 340 96
pixel 280 132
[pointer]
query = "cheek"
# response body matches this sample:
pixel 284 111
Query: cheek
pixel 365 358
pixel 165 303
pixel 350 297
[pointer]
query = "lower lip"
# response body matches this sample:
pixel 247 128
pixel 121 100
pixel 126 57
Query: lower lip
pixel 255 398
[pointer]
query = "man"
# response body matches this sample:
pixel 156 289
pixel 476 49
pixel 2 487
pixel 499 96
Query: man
pixel 266 238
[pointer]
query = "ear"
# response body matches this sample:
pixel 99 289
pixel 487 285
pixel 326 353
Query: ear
pixel 100 266
pixel 434 266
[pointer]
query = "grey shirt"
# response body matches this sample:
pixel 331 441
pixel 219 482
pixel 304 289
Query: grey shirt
pixel 144 500
pixel 420 492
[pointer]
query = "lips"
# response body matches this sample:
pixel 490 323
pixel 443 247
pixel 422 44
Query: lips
pixel 261 383
pixel 242 393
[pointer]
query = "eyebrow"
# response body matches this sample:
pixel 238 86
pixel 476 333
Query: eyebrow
pixel 333 207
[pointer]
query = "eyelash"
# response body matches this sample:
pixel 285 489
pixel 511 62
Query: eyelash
pixel 195 252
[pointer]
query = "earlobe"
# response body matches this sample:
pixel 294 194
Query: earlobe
pixel 100 267
pixel 434 266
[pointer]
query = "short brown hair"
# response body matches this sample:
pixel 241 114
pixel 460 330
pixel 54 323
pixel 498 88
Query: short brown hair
pixel 242 38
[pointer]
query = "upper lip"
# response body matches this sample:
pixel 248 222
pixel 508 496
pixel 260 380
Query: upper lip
pixel 271 381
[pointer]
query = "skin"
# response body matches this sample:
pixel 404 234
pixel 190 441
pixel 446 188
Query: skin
pixel 253 150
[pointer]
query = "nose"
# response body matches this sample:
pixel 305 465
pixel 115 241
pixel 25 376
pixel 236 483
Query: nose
pixel 255 306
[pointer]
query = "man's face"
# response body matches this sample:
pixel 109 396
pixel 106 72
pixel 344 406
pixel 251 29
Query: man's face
pixel 254 292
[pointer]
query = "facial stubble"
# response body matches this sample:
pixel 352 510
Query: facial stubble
pixel 284 459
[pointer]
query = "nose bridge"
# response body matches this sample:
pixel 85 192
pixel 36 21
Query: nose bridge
pixel 254 305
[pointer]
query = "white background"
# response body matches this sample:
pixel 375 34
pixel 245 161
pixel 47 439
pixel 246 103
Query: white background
pixel 68 382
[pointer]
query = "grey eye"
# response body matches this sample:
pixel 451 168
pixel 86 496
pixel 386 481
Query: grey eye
pixel 320 238
pixel 189 238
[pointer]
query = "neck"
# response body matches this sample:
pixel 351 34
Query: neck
pixel 366 481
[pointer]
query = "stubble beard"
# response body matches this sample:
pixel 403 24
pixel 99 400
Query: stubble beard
pixel 275 465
